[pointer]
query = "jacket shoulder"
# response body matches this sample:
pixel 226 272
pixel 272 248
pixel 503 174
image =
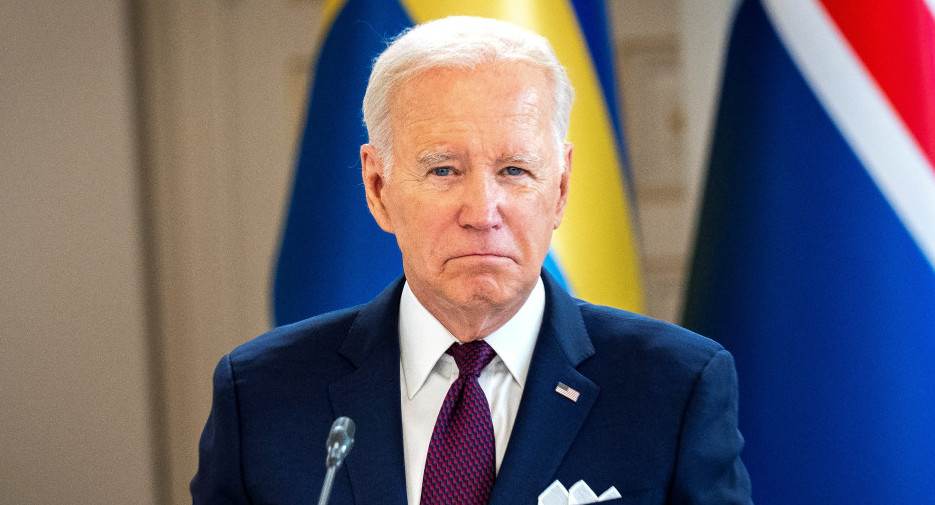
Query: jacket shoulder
pixel 303 342
pixel 637 338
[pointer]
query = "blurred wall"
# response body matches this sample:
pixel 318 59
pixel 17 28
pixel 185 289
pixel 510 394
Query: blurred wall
pixel 704 31
pixel 75 425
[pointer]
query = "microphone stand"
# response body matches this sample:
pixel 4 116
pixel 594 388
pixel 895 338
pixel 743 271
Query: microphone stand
pixel 326 487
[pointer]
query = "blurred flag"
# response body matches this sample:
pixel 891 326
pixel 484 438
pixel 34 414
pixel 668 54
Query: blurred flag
pixel 815 256
pixel 334 255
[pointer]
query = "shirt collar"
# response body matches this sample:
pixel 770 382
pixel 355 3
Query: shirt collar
pixel 423 340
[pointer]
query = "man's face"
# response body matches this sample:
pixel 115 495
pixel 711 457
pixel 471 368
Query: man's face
pixel 477 185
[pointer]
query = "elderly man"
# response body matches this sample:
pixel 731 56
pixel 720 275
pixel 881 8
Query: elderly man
pixel 474 378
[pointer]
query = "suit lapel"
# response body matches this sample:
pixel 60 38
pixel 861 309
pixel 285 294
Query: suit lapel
pixel 370 396
pixel 547 422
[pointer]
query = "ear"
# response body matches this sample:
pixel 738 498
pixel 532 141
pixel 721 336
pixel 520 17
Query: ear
pixel 563 183
pixel 374 185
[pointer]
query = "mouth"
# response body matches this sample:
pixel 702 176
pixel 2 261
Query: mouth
pixel 480 255
pixel 480 258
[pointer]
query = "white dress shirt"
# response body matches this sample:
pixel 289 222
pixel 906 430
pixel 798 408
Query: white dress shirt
pixel 426 373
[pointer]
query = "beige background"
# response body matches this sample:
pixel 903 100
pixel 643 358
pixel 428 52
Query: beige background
pixel 146 148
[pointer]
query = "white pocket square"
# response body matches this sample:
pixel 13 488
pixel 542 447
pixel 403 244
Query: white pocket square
pixel 579 494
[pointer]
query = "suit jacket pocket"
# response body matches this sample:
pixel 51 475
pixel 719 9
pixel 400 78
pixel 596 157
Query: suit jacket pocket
pixel 653 496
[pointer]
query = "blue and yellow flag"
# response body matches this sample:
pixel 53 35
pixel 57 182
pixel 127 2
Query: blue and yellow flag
pixel 334 255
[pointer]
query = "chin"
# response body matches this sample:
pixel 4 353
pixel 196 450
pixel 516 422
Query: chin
pixel 490 290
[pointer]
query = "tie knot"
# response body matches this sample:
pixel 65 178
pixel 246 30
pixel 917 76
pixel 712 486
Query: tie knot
pixel 472 357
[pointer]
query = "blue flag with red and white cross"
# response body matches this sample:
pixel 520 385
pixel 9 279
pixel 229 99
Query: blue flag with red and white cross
pixel 815 254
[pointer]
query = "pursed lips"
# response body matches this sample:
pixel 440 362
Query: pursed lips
pixel 481 255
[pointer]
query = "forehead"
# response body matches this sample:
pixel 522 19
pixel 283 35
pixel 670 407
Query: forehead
pixel 491 101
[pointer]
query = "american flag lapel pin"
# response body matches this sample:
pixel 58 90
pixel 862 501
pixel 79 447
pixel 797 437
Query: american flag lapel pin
pixel 567 392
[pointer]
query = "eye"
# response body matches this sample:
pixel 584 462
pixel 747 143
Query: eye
pixel 441 171
pixel 514 171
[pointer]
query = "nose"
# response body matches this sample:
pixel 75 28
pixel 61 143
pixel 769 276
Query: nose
pixel 481 200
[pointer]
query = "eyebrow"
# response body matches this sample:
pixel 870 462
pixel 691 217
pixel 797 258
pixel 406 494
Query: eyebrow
pixel 436 158
pixel 520 159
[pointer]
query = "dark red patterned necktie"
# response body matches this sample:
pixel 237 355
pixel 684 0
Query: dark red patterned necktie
pixel 460 467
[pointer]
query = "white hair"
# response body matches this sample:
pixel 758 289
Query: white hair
pixel 459 42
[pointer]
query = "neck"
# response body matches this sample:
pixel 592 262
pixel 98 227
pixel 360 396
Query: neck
pixel 474 320
pixel 467 327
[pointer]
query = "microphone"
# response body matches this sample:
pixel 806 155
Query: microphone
pixel 340 441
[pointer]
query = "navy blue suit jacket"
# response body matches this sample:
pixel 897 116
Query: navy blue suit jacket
pixel 657 414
